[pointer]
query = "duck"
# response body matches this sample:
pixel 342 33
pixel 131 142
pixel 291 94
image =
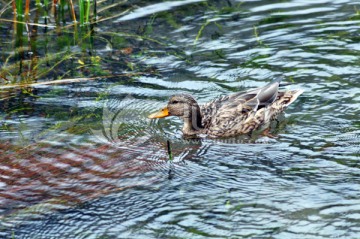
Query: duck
pixel 230 115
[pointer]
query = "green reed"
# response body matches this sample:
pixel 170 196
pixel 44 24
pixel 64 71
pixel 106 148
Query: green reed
pixel 87 3
pixel 19 26
pixel 81 12
pixel 19 7
pixel 27 64
pixel 85 15
pixel 94 10
pixel 84 11
pixel 61 16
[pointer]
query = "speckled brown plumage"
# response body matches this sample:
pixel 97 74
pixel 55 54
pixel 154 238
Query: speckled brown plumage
pixel 239 113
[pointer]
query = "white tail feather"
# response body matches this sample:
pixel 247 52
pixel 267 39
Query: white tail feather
pixel 295 96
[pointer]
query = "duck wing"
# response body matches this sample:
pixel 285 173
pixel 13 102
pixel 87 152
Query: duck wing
pixel 233 107
pixel 257 98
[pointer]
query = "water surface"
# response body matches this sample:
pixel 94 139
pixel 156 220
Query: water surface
pixel 81 160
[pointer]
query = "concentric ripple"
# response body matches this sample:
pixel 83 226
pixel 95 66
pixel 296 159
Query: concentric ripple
pixel 114 177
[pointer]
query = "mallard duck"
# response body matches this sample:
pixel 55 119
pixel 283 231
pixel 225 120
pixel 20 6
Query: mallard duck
pixel 230 115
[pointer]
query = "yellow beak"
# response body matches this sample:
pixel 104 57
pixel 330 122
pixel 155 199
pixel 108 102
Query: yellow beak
pixel 160 114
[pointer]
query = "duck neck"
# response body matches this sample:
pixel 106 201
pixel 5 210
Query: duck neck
pixel 192 122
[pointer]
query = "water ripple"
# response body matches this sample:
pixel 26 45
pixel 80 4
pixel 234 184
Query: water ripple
pixel 116 180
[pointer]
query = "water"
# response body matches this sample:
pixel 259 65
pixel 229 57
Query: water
pixel 81 160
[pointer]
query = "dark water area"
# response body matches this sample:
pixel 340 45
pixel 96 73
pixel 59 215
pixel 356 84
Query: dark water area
pixel 80 159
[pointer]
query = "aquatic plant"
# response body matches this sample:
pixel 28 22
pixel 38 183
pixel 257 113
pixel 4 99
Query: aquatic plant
pixel 26 64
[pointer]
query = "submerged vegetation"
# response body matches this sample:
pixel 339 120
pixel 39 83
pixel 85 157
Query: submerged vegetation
pixel 51 39
pixel 57 40
pixel 67 41
pixel 78 79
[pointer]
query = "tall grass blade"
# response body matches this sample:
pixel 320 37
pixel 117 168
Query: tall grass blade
pixel 62 11
pixel 19 7
pixel 27 7
pixel 46 3
pixel 72 10
pixel 95 10
pixel 87 11
pixel 14 7
pixel 81 11
pixel 19 29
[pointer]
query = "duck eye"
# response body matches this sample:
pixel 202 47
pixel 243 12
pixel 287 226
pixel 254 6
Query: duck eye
pixel 175 102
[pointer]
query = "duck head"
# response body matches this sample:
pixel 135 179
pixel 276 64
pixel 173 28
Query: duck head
pixel 185 107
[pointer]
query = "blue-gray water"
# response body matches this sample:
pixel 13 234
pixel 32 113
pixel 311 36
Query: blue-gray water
pixel 81 160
